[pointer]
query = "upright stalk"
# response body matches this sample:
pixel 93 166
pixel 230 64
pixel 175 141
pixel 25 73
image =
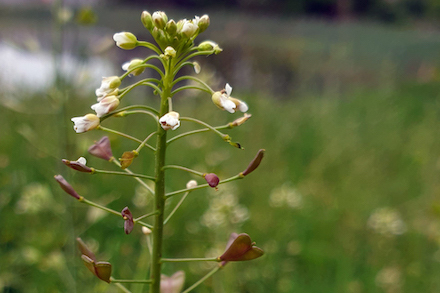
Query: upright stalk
pixel 159 197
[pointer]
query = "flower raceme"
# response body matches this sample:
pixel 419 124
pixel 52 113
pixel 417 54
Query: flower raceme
pixel 85 123
pixel 170 120
pixel 224 101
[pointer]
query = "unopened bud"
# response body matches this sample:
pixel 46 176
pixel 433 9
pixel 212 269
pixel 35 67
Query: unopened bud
pixel 197 67
pixel 203 23
pixel 66 186
pixel 209 46
pixel 147 21
pixel 160 19
pixel 128 220
pixel 125 40
pixel 129 66
pixel 171 27
pixel 255 163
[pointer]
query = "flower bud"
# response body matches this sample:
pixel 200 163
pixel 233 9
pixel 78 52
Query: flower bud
pixel 79 165
pixel 127 158
pixel 191 184
pixel 170 121
pixel 128 220
pixel 66 186
pixel 160 19
pixel 197 67
pixel 171 28
pixel 170 52
pixel 254 163
pixel 188 29
pixel 212 179
pixel 109 86
pixel 102 149
pixel 147 21
pixel 125 40
pixel 203 23
pixel 209 46
pixel 128 66
pixel 85 123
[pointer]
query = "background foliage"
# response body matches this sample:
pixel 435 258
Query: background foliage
pixel 346 199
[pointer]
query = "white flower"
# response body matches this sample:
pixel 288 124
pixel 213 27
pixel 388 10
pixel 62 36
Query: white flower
pixel 108 85
pixel 170 52
pixel 125 40
pixel 146 230
pixel 170 120
pixel 224 101
pixel 81 160
pixel 106 105
pixel 189 28
pixel 85 123
pixel 128 66
pixel 191 184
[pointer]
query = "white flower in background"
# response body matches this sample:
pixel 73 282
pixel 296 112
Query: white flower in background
pixel 386 221
pixel 85 123
pixel 170 120
pixel 125 40
pixel 108 85
pixel 197 67
pixel 224 101
pixel 191 184
pixel 170 52
pixel 106 105
pixel 128 66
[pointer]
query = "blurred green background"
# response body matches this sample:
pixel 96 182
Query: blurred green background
pixel 345 100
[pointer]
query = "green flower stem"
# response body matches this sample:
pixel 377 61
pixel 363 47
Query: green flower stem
pixel 116 162
pixel 142 66
pixel 151 109
pixel 131 281
pixel 120 286
pixel 190 87
pixel 176 207
pixel 119 133
pixel 149 46
pixel 212 272
pixel 145 216
pixel 159 195
pixel 144 143
pixel 199 53
pixel 170 194
pixel 146 81
pixel 186 77
pixel 124 174
pixel 126 113
pixel 144 224
pixel 188 259
pixel 223 136
pixel 184 169
pixel 183 65
pixel 196 131
pixel 91 203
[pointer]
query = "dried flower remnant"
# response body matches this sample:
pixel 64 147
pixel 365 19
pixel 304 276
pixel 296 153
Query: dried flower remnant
pixel 255 163
pixel 128 220
pixel 78 165
pixel 67 187
pixel 100 269
pixel 240 248
pixel 127 158
pixel 102 149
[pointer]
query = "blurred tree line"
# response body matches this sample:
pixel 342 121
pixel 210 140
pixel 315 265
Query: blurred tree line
pixel 384 10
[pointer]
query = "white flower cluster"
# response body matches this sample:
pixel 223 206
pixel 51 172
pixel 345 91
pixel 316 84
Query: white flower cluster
pixel 286 196
pixel 386 221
